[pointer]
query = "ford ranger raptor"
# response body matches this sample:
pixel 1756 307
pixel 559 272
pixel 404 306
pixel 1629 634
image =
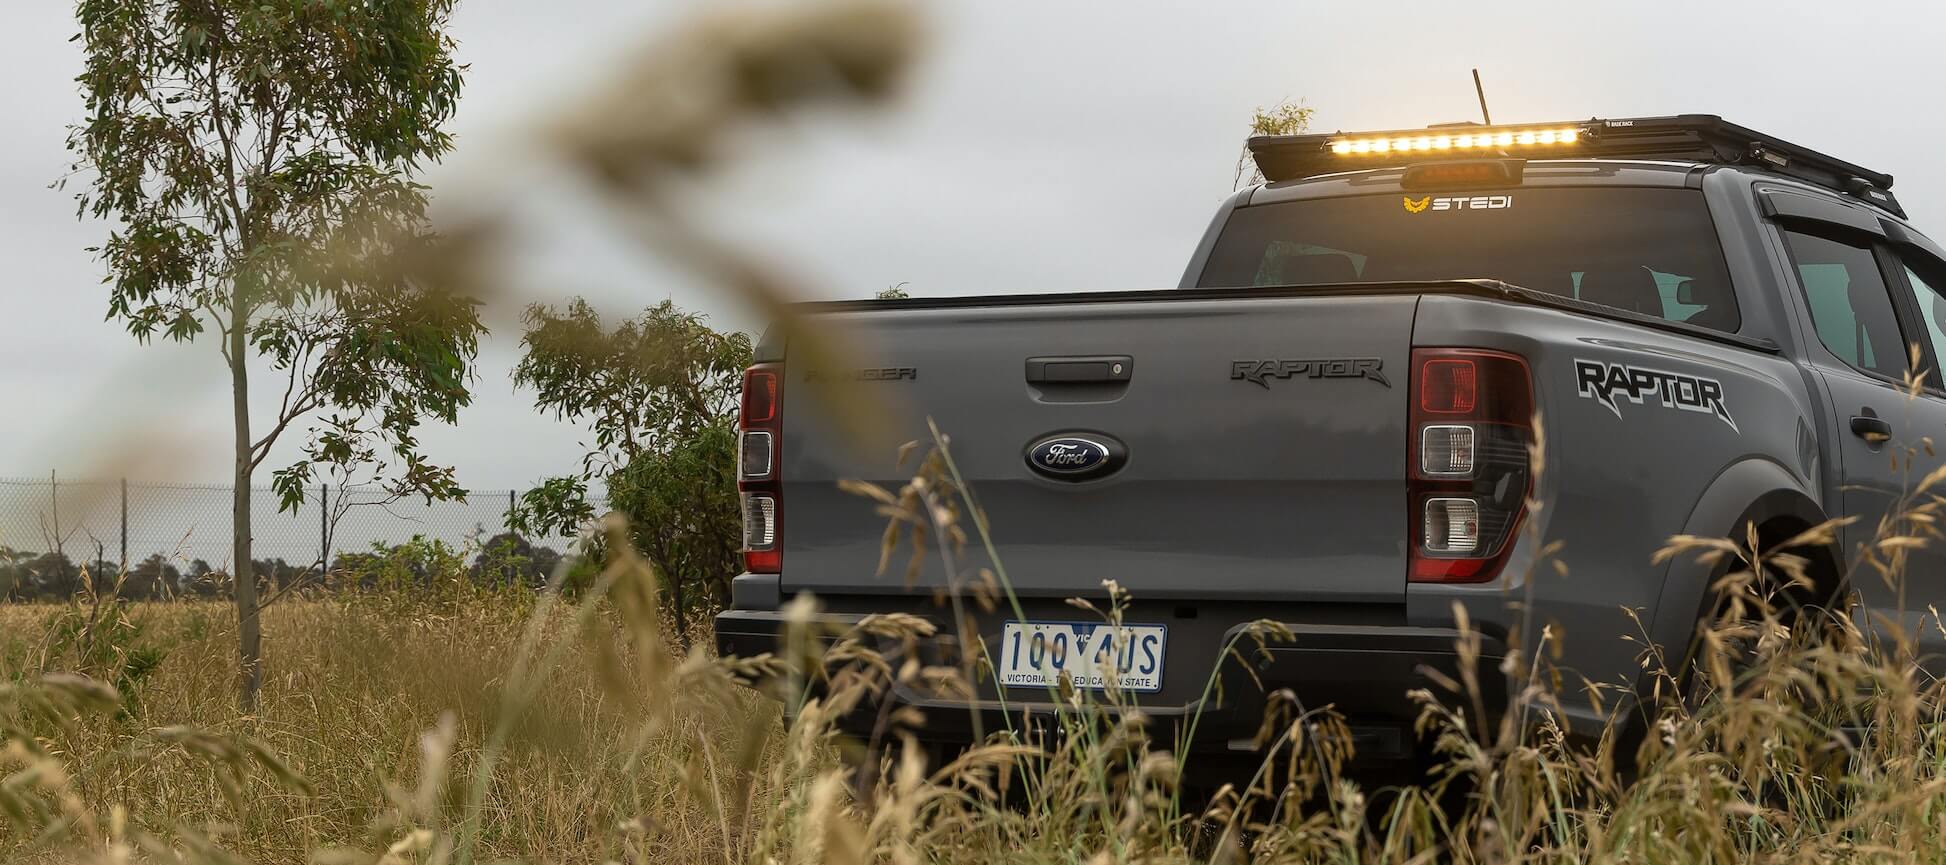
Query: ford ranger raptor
pixel 1328 424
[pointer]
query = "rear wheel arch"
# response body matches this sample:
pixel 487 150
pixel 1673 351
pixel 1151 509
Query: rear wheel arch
pixel 1827 570
pixel 1754 491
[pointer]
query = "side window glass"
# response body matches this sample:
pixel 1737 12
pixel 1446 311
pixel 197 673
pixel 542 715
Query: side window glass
pixel 1710 304
pixel 1924 277
pixel 1850 306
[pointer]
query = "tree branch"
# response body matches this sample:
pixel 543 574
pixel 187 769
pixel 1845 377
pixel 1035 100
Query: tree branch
pixel 222 330
pixel 269 160
pixel 287 410
pixel 223 135
pixel 304 405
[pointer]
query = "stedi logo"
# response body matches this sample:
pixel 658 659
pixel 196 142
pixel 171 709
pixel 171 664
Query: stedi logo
pixel 1475 202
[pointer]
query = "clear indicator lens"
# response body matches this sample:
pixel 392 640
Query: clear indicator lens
pixel 1447 450
pixel 1452 526
pixel 759 522
pixel 753 458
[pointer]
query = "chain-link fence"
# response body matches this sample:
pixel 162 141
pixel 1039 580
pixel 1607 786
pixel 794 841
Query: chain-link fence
pixel 117 526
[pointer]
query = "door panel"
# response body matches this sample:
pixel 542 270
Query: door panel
pixel 1863 315
pixel 1874 486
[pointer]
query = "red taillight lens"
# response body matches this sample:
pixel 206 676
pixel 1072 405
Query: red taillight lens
pixel 1425 570
pixel 759 397
pixel 1449 386
pixel 763 561
pixel 1471 421
pixel 758 479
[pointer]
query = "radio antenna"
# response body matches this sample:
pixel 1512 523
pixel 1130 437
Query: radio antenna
pixel 1482 92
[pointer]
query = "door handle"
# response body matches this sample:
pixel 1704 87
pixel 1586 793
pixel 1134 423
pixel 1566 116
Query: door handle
pixel 1870 427
pixel 1093 369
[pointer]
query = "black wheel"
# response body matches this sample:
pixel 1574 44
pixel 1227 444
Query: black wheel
pixel 1821 605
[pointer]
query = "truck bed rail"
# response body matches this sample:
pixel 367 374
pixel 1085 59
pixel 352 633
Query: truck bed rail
pixel 1487 288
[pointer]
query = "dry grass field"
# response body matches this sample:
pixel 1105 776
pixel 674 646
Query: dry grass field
pixel 351 694
pixel 456 726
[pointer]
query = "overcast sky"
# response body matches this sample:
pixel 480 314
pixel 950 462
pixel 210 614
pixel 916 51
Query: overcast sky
pixel 1044 146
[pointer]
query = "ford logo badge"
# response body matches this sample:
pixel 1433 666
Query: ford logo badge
pixel 1076 456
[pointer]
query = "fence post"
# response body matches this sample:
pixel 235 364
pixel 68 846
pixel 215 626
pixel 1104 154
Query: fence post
pixel 54 497
pixel 324 528
pixel 124 525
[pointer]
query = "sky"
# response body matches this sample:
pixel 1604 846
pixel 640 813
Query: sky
pixel 1043 146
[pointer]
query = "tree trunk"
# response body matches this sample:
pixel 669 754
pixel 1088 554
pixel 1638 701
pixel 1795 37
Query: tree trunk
pixel 249 632
pixel 682 633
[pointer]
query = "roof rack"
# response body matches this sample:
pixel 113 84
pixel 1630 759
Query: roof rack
pixel 1687 137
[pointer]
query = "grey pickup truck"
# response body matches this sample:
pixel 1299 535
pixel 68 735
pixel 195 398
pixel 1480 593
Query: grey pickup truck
pixel 1327 423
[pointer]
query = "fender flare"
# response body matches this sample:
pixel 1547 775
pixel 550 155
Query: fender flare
pixel 1753 490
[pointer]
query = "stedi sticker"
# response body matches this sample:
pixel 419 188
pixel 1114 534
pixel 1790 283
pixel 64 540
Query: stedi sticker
pixel 1453 203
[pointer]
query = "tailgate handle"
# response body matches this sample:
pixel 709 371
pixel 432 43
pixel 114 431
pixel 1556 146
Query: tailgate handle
pixel 1092 369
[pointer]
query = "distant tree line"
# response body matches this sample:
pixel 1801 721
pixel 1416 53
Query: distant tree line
pixel 504 560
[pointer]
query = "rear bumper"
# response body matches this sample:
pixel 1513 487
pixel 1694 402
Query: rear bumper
pixel 1363 672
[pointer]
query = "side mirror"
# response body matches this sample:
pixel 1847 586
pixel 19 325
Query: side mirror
pixel 1686 292
pixel 1939 309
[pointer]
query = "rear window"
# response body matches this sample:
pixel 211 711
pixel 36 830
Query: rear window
pixel 1652 251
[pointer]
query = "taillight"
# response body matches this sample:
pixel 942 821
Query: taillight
pixel 759 396
pixel 760 436
pixel 1472 418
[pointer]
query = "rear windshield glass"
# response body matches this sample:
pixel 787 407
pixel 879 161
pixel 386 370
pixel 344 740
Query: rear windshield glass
pixel 1646 250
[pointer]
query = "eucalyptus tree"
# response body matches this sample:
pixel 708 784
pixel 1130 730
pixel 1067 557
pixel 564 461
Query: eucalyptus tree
pixel 254 161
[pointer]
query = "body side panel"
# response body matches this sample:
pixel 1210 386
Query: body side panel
pixel 1618 478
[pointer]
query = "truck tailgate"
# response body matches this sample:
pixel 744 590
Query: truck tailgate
pixel 1265 444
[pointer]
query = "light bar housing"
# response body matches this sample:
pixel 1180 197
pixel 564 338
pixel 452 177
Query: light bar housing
pixel 1703 138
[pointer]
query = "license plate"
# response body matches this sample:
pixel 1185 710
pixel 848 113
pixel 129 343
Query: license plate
pixel 1035 654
